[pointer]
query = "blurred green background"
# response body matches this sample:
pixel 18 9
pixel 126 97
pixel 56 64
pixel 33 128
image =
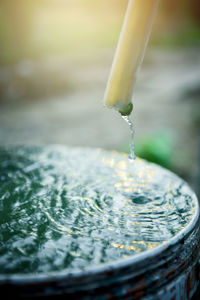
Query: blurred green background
pixel 31 28
pixel 55 59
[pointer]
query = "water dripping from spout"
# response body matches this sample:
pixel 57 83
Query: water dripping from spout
pixel 132 156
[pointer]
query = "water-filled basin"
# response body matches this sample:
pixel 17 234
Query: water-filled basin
pixel 84 222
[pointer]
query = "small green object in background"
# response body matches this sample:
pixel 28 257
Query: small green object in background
pixel 157 148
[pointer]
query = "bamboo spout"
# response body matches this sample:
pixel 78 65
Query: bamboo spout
pixel 129 54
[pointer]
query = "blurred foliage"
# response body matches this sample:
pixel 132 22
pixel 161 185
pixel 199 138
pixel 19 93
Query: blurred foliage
pixel 157 148
pixel 186 36
pixel 177 24
pixel 31 28
pixel 16 17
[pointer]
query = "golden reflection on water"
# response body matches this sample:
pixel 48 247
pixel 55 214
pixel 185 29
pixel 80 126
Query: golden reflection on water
pixel 137 247
pixel 137 183
pixel 100 206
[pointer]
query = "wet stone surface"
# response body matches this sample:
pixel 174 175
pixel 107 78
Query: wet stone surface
pixel 73 208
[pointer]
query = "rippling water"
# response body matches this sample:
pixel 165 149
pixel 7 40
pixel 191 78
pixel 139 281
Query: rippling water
pixel 75 208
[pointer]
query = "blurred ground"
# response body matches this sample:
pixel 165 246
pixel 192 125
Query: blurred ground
pixel 166 100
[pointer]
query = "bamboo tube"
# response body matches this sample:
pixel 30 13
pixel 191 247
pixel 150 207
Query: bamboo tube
pixel 129 54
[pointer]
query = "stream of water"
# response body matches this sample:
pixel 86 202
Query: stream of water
pixel 132 156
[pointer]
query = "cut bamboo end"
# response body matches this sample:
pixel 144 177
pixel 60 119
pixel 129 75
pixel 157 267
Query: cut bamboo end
pixel 129 54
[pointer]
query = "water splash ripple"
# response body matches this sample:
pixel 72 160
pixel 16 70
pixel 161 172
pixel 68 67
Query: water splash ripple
pixel 73 208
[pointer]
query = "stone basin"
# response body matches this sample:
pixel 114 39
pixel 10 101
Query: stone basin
pixel 85 222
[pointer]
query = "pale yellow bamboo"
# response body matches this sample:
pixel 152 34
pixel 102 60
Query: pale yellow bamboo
pixel 129 54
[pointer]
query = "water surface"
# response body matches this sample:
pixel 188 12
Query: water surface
pixel 75 208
